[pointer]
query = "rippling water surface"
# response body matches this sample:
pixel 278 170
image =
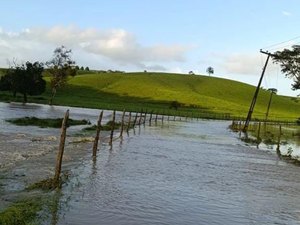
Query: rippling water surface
pixel 183 173
pixel 195 172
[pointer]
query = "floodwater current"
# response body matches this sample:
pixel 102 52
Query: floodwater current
pixel 183 173
pixel 195 172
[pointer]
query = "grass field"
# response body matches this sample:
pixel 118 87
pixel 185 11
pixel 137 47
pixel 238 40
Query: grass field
pixel 155 91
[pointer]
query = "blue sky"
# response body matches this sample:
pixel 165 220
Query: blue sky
pixel 155 35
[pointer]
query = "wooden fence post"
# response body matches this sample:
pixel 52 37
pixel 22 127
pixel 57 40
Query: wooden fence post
pixel 140 119
pixel 258 132
pixel 97 134
pixel 112 128
pixel 122 124
pixel 129 122
pixel 279 139
pixel 145 117
pixel 135 119
pixel 61 150
pixel 150 118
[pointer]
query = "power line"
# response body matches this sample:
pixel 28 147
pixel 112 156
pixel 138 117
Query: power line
pixel 280 43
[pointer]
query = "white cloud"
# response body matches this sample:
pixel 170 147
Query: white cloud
pixel 116 45
pixel 246 64
pixel 286 13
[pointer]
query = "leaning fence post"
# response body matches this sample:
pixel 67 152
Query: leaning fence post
pixel 61 149
pixel 129 122
pixel 112 127
pixel 135 119
pixel 97 134
pixel 122 124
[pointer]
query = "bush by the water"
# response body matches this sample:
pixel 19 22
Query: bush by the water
pixel 54 123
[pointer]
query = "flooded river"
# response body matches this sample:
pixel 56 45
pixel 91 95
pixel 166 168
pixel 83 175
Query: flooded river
pixel 195 172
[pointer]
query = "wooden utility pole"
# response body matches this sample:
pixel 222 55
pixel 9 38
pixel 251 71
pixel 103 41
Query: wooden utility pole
pixel 256 92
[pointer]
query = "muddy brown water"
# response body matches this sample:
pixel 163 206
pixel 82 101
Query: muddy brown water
pixel 195 172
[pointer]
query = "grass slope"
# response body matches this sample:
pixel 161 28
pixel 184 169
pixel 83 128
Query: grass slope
pixel 150 91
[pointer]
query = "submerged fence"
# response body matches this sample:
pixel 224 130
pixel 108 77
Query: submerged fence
pixel 115 128
pixel 270 133
pixel 283 137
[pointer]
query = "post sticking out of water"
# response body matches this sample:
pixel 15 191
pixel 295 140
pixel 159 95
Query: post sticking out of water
pixel 156 118
pixel 95 147
pixel 279 139
pixel 145 117
pixel 135 119
pixel 140 119
pixel 129 122
pixel 258 132
pixel 122 124
pixel 61 150
pixel 112 127
pixel 150 118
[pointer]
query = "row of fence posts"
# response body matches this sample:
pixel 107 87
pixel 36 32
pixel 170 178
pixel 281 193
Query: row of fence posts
pixel 139 119
pixel 240 125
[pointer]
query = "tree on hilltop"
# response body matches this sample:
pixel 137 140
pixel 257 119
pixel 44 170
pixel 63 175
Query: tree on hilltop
pixel 210 70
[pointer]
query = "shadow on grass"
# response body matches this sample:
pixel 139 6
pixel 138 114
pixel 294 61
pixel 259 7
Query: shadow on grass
pixel 86 97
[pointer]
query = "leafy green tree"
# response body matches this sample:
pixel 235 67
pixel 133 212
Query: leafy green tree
pixel 26 79
pixel 289 61
pixel 210 70
pixel 87 68
pixel 61 66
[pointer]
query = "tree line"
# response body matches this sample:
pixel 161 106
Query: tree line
pixel 27 79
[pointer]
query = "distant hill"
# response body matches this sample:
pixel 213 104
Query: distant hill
pixel 157 91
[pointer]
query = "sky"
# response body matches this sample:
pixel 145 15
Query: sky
pixel 155 35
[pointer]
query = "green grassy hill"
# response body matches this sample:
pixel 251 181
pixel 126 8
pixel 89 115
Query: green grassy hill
pixel 156 91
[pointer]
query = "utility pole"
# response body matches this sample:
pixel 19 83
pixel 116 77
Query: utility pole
pixel 273 91
pixel 256 92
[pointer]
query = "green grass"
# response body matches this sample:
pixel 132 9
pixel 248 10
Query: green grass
pixel 198 95
pixel 43 123
pixel 24 212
